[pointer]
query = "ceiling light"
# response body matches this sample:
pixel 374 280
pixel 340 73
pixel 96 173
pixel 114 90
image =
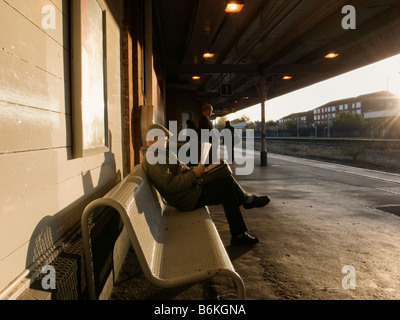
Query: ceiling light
pixel 287 77
pixel 196 77
pixel 234 6
pixel 208 54
pixel 331 55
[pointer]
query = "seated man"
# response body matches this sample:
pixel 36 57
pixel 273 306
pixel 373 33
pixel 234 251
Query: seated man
pixel 176 183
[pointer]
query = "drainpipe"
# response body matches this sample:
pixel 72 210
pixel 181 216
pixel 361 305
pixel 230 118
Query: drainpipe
pixel 148 40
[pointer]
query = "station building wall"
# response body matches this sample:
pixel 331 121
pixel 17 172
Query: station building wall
pixel 44 188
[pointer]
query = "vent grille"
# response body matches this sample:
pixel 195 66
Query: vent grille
pixel 395 190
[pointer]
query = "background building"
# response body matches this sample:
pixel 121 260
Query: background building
pixel 380 110
pixel 374 105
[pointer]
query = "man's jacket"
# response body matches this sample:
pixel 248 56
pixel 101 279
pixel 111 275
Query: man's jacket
pixel 175 182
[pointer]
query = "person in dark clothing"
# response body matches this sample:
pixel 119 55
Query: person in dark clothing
pixel 204 121
pixel 176 182
pixel 205 124
pixel 191 125
pixel 231 146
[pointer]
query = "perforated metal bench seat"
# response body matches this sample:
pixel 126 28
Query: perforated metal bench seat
pixel 174 248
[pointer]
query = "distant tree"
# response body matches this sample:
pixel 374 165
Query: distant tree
pixel 271 127
pixel 221 123
pixel 347 121
pixel 271 123
pixel 241 119
pixel 291 124
pixel 252 126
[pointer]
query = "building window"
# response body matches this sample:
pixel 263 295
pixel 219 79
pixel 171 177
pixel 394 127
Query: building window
pixel 89 77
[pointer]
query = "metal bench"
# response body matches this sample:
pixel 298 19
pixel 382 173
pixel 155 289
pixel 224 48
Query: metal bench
pixel 174 248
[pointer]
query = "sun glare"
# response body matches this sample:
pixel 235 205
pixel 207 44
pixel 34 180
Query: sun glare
pixel 380 76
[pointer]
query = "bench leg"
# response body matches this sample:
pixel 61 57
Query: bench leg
pixel 86 242
pixel 240 287
pixel 241 290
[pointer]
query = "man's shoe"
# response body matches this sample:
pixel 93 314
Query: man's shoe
pixel 257 202
pixel 244 239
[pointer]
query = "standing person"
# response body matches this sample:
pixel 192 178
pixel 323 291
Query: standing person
pixel 204 121
pixel 205 124
pixel 176 182
pixel 190 125
pixel 232 145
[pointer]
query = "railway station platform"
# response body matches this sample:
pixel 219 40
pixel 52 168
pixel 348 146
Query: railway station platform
pixel 330 232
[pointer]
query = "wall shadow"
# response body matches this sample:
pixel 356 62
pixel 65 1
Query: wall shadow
pixel 44 242
pixel 69 264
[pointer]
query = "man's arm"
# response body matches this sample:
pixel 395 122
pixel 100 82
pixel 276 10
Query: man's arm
pixel 198 170
pixel 168 182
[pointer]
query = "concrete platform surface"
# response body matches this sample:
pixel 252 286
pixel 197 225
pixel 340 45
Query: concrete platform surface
pixel 330 232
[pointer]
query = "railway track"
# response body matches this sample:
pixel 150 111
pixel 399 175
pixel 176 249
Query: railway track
pixel 382 154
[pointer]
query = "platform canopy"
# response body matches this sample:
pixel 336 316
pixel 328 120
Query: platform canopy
pixel 269 39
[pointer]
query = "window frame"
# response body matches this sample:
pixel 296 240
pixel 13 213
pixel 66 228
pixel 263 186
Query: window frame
pixel 81 149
